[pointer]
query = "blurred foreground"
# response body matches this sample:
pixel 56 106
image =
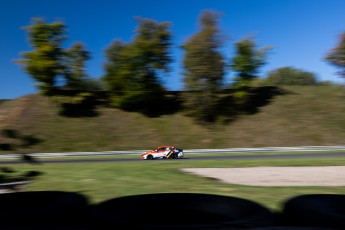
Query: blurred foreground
pixel 66 210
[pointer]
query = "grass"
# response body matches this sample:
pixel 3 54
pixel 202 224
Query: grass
pixel 304 115
pixel 102 181
pixel 187 155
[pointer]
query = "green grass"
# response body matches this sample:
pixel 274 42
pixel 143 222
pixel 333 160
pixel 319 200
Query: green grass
pixel 101 181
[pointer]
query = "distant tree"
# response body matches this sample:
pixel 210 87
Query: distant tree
pixel 291 76
pixel 246 63
pixel 58 71
pixel 75 58
pixel 204 68
pixel 49 64
pixel 133 69
pixel 116 77
pixel 337 56
pixel 46 62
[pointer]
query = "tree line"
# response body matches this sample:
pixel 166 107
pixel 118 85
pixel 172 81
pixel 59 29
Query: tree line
pixel 133 70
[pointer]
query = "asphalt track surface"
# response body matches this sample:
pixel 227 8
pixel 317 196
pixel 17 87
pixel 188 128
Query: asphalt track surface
pixel 187 158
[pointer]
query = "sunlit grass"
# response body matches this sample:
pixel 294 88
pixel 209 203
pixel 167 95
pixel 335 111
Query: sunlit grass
pixel 101 181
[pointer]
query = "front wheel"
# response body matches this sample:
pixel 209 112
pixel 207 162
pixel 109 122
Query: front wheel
pixel 175 156
pixel 149 157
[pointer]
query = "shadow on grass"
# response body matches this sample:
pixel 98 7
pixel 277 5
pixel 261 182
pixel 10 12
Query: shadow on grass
pixel 85 109
pixel 12 181
pixel 229 108
pixel 156 105
pixel 24 140
pixel 260 97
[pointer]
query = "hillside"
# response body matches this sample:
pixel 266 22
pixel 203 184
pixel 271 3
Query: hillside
pixel 304 115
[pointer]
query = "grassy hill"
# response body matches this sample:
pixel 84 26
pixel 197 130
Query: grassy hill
pixel 304 115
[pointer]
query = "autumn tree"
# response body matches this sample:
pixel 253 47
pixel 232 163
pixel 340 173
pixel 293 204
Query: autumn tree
pixel 133 69
pixel 336 56
pixel 203 69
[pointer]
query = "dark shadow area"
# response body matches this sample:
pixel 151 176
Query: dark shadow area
pixel 29 140
pixel 6 147
pixel 261 96
pixel 10 179
pixel 155 105
pixel 188 211
pixel 314 210
pixel 10 133
pixel 179 211
pixel 18 139
pixel 229 108
pixel 84 109
pixel 84 103
pixel 29 159
pixel 43 210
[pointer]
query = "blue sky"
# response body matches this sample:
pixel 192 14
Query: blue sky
pixel 301 32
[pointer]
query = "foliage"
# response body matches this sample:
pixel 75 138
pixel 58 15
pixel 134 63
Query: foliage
pixel 49 63
pixel 92 85
pixel 58 70
pixel 203 69
pixel 291 76
pixel 45 62
pixel 246 63
pixel 133 69
pixel 337 56
pixel 248 59
pixel 75 58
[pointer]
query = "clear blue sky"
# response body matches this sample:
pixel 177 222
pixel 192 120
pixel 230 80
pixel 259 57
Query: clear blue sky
pixel 301 31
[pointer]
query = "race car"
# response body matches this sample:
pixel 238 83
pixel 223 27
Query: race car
pixel 163 152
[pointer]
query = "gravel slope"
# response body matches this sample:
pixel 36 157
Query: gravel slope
pixel 275 176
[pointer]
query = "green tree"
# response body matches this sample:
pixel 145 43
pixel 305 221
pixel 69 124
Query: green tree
pixel 45 62
pixel 58 71
pixel 133 70
pixel 291 76
pixel 204 68
pixel 49 64
pixel 337 55
pixel 116 75
pixel 75 74
pixel 246 63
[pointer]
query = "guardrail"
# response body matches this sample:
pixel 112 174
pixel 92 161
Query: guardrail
pixel 186 151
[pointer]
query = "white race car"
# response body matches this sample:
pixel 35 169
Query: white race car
pixel 161 152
